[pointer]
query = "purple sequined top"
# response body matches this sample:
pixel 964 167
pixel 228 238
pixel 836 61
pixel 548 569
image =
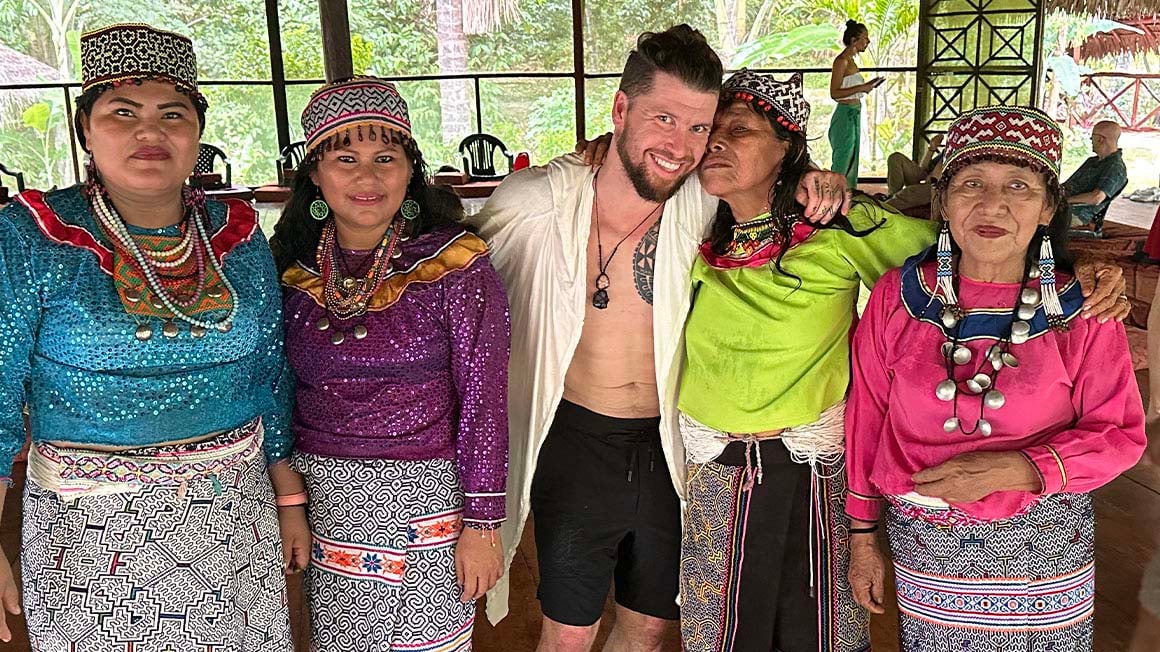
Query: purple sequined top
pixel 429 379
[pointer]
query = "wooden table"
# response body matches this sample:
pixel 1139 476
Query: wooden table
pixel 233 192
pixel 476 189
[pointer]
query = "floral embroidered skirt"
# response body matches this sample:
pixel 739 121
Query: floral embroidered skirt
pixel 382 564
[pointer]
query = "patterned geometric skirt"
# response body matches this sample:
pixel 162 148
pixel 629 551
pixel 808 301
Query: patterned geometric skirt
pixel 764 562
pixel 1023 583
pixel 382 567
pixel 185 557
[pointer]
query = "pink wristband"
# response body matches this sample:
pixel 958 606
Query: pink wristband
pixel 291 500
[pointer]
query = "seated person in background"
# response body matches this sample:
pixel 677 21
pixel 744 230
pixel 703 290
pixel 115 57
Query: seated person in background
pixel 1096 183
pixel 909 183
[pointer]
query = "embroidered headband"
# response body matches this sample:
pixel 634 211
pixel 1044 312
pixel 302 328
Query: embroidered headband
pixel 134 52
pixel 1019 133
pixel 350 103
pixel 785 98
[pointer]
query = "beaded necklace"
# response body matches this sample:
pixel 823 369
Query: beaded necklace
pixel 347 296
pixel 198 245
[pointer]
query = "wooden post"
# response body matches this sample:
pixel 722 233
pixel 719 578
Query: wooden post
pixel 335 39
pixel 277 74
pixel 578 66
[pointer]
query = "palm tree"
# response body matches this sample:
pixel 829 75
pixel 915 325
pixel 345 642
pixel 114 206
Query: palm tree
pixel 454 20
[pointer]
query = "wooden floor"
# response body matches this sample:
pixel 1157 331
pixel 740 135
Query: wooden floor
pixel 1128 524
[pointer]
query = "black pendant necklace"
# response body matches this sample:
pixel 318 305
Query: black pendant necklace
pixel 600 296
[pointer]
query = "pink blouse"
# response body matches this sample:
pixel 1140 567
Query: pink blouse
pixel 1073 407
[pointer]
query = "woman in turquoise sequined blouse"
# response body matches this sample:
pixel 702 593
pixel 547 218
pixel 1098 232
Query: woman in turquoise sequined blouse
pixel 142 330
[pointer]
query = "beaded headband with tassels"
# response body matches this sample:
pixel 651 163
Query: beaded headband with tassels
pixel 786 99
pixel 350 105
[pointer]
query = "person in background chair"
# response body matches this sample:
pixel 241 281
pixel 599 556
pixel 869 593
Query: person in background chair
pixel 1102 177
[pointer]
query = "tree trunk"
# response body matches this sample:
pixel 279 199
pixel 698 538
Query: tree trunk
pixel 454 94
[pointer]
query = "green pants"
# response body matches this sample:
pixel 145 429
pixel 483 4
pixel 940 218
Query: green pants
pixel 845 140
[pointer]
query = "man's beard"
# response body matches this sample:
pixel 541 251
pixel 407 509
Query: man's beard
pixel 638 175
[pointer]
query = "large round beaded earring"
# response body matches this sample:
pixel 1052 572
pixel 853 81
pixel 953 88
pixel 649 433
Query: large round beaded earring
pixel 319 209
pixel 409 209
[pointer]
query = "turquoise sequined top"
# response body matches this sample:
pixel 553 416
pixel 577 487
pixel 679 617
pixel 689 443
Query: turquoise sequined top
pixel 68 349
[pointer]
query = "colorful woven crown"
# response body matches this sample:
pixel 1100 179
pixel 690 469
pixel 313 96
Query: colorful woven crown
pixel 132 52
pixel 1017 133
pixel 785 98
pixel 343 105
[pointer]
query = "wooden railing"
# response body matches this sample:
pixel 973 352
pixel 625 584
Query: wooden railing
pixel 1133 100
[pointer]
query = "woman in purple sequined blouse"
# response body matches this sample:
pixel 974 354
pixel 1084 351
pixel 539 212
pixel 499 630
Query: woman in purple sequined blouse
pixel 397 331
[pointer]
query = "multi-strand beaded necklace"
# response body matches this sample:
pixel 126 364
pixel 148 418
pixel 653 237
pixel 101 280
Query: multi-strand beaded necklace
pixel 347 296
pixel 168 272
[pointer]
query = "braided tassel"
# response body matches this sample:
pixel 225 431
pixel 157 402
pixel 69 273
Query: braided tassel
pixel 1047 288
pixel 945 271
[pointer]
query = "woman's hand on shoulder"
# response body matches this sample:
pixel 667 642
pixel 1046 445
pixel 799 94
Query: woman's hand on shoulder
pixel 1104 289
pixel 594 151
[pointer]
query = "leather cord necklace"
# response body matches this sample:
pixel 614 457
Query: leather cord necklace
pixel 600 296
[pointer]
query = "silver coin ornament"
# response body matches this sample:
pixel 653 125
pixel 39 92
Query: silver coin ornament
pixel 951 424
pixel 322 324
pixel 994 399
pixel 984 427
pixel 1025 312
pixel 948 318
pixel 169 329
pixel 962 355
pixel 1010 361
pixel 947 349
pixel 1020 331
pixel 359 332
pixel 973 386
pixel 337 337
pixel 1029 296
pixel 144 332
pixel 197 332
pixel 946 390
pixel 983 380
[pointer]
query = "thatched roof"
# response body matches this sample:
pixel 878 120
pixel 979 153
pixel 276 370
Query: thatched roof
pixel 1107 8
pixel 16 68
pixel 1120 41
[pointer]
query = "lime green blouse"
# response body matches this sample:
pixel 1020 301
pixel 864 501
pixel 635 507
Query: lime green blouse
pixel 763 353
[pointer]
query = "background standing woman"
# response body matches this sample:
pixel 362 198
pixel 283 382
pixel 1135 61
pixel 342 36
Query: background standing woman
pixel 847 88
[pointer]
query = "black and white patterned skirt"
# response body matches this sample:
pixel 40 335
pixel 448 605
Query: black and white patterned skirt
pixel 186 560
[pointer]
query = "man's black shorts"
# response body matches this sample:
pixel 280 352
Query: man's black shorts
pixel 604 508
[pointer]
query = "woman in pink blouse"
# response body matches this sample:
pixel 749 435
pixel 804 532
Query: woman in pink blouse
pixel 982 412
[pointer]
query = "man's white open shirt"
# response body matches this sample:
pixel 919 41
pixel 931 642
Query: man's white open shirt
pixel 536 225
